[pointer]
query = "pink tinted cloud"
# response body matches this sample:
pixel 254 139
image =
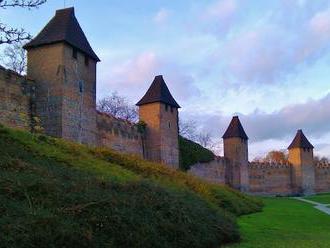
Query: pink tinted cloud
pixel 272 50
pixel 133 76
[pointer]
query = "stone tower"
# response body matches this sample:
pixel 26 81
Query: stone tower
pixel 301 158
pixel 159 111
pixel 63 64
pixel 235 142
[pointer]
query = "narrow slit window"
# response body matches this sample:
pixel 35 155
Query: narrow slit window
pixel 86 60
pixel 74 53
pixel 81 86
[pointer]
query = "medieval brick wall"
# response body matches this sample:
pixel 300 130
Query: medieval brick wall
pixel 119 135
pixel 322 177
pixel 270 178
pixel 213 171
pixel 16 93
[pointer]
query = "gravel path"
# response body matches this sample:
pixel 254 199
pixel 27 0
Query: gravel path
pixel 322 207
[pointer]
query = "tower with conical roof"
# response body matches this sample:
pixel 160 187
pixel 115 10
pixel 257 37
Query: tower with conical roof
pixel 159 111
pixel 63 64
pixel 301 158
pixel 235 143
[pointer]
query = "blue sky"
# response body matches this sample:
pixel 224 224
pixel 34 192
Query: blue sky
pixel 267 61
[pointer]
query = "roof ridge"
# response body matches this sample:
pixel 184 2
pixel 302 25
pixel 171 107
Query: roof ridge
pixel 300 141
pixel 63 27
pixel 235 129
pixel 158 92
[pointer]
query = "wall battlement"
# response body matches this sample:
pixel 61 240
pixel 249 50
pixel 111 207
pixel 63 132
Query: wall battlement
pixel 266 165
pixel 323 165
pixel 213 171
pixel 119 135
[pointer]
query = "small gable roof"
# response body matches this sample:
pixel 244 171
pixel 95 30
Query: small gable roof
pixel 235 130
pixel 63 27
pixel 300 141
pixel 158 92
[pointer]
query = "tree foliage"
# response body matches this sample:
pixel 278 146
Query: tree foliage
pixel 274 156
pixel 192 153
pixel 9 34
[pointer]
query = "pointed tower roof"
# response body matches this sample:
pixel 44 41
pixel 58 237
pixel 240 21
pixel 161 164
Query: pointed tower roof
pixel 300 141
pixel 158 92
pixel 235 130
pixel 63 27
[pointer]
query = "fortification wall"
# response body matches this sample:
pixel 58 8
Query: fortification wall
pixel 322 177
pixel 16 94
pixel 214 171
pixel 270 178
pixel 119 135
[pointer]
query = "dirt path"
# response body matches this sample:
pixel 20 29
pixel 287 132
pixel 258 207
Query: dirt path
pixel 322 207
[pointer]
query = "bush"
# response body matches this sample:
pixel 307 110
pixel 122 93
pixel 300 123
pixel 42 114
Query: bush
pixel 192 153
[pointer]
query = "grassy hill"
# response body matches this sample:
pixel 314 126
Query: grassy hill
pixel 60 194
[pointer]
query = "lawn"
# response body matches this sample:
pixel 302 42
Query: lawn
pixel 285 223
pixel 321 198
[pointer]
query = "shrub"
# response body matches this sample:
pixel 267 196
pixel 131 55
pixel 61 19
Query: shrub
pixel 192 153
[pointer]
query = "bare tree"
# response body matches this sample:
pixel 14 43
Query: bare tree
pixel 189 130
pixel 205 140
pixel 119 107
pixel 8 34
pixel 14 57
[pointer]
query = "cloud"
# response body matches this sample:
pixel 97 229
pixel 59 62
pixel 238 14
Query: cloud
pixel 219 16
pixel 312 116
pixel 278 44
pixel 161 16
pixel 133 76
pixel 275 130
pixel 221 9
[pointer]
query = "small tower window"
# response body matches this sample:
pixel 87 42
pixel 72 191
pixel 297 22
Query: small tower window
pixel 86 60
pixel 74 53
pixel 166 107
pixel 169 124
pixel 81 86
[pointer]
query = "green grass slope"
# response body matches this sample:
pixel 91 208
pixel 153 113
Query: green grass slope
pixel 285 223
pixel 59 194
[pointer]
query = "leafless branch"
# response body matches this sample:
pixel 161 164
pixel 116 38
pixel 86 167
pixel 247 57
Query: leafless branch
pixel 119 107
pixel 21 3
pixel 8 34
pixel 14 57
